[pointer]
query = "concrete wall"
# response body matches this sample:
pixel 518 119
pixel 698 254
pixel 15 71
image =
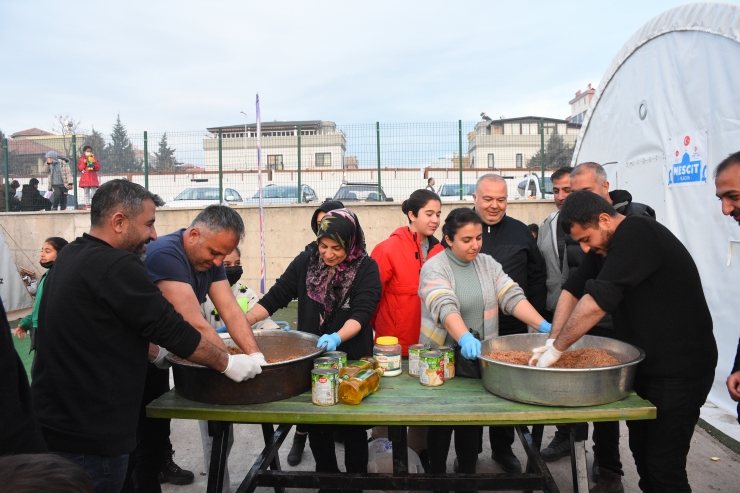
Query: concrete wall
pixel 287 230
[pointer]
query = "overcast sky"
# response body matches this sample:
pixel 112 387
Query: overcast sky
pixel 186 65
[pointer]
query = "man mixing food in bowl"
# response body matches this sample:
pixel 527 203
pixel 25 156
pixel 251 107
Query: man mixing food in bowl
pixel 98 312
pixel 186 266
pixel 638 271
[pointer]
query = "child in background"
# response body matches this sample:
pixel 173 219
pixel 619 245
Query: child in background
pixel 245 296
pixel 89 166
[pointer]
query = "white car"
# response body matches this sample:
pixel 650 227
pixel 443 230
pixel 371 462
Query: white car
pixel 450 192
pixel 204 196
pixel 530 188
pixel 283 194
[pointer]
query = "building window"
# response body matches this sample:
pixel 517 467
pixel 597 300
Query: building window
pixel 518 160
pixel 323 159
pixel 275 161
pixel 491 162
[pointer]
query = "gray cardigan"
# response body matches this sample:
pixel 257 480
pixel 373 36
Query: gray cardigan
pixel 437 293
pixel 547 242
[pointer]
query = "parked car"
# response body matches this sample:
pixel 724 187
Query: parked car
pixel 361 192
pixel 203 196
pixel 283 194
pixel 450 192
pixel 530 187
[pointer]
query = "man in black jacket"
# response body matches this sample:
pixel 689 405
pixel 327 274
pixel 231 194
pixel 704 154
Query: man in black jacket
pixel 98 313
pixel 592 177
pixel 511 243
pixel 727 183
pixel 31 198
pixel 636 269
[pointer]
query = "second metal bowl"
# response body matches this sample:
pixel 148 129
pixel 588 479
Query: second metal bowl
pixel 276 382
pixel 559 386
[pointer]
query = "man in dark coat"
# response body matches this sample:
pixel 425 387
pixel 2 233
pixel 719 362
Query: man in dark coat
pixel 31 198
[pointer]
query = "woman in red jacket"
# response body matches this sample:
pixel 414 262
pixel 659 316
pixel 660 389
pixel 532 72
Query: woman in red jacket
pixel 89 166
pixel 400 259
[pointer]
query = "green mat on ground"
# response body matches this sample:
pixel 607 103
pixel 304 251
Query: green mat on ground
pixel 22 345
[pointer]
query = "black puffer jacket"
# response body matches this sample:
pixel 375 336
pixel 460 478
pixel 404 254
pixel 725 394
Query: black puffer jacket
pixel 32 200
pixel 622 202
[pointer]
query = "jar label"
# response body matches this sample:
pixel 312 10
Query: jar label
pixel 363 375
pixel 388 361
pixel 414 363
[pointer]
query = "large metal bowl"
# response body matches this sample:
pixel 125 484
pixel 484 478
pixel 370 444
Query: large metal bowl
pixel 559 386
pixel 276 382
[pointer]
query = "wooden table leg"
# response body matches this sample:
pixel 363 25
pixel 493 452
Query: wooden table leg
pixel 397 436
pixel 578 462
pixel 220 432
pixel 268 432
pixel 267 456
pixel 535 462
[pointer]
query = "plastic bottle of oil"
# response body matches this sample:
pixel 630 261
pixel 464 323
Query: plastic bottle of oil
pixel 353 368
pixel 355 388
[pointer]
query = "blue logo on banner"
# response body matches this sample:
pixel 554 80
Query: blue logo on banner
pixel 687 172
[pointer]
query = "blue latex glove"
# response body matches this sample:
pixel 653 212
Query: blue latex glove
pixel 331 341
pixel 470 346
pixel 545 327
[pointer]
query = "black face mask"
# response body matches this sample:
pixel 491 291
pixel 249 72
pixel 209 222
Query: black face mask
pixel 233 274
pixel 47 265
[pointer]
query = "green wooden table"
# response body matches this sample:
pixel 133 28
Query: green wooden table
pixel 401 401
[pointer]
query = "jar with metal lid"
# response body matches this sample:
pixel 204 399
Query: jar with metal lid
pixel 387 351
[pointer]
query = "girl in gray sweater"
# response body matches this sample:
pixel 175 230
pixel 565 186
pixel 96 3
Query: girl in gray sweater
pixel 463 289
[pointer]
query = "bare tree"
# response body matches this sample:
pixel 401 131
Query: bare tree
pixel 67 126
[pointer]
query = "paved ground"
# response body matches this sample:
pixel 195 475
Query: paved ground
pixel 705 474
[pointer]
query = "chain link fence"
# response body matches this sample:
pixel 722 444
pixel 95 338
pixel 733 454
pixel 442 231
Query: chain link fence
pixel 308 161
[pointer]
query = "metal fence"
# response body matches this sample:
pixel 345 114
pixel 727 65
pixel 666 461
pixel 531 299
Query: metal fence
pixel 302 161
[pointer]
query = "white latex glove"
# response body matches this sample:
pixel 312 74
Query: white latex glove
pixel 160 360
pixel 242 367
pixel 539 351
pixel 259 358
pixel 550 357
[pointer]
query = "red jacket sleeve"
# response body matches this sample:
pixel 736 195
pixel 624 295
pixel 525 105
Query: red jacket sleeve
pixel 385 270
pixel 384 264
pixel 82 163
pixel 96 165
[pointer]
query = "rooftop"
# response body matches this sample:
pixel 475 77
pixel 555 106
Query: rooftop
pixel 265 125
pixel 31 132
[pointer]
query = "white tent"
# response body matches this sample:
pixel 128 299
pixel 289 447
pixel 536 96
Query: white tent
pixel 666 112
pixel 12 289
